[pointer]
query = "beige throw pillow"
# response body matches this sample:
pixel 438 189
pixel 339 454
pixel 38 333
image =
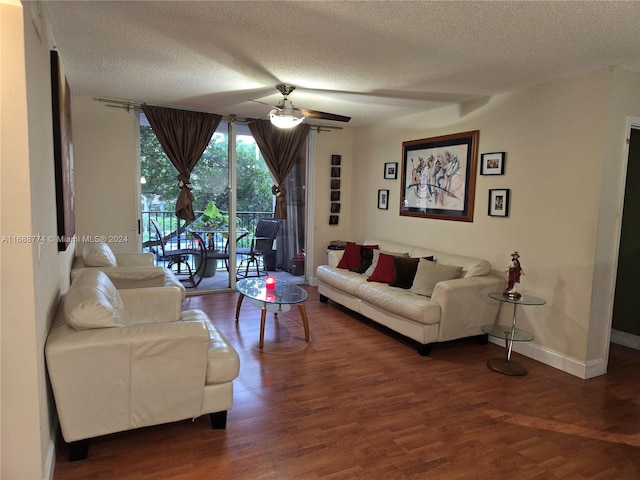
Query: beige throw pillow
pixel 429 274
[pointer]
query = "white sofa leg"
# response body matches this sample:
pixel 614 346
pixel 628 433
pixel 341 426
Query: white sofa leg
pixel 424 349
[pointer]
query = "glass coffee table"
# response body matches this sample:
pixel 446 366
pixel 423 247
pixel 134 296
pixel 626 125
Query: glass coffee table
pixel 278 300
pixel 510 334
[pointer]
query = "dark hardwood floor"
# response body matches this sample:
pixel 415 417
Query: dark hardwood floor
pixel 359 402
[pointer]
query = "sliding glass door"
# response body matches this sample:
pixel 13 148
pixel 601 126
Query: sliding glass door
pixel 232 187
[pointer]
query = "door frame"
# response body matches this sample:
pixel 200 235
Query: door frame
pixel 309 235
pixel 632 123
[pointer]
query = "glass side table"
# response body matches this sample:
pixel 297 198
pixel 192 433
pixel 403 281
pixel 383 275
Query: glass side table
pixel 510 334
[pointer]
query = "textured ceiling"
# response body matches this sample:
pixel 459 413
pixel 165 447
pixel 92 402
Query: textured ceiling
pixel 360 59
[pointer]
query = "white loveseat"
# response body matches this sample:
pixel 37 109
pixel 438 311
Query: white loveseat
pixel 456 308
pixel 124 359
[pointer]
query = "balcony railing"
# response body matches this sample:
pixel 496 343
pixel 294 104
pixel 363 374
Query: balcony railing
pixel 174 229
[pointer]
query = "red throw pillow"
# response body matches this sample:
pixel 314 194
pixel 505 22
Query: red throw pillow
pixel 384 269
pixel 351 257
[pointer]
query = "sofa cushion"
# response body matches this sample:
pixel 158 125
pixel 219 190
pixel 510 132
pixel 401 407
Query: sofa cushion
pixel 404 270
pixel 223 362
pixel 401 302
pixel 93 302
pixel 341 279
pixel 429 274
pixel 98 255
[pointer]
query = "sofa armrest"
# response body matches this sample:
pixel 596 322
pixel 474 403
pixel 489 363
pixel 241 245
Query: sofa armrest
pixel 108 380
pixel 152 304
pixel 465 305
pixel 135 259
pixel 334 257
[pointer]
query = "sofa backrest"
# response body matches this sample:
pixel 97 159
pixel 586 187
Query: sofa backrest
pixel 98 254
pixel 471 267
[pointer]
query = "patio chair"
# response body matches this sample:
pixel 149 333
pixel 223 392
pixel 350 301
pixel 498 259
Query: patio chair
pixel 251 262
pixel 177 258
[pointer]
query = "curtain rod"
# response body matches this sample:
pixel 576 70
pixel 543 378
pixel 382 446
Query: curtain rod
pixel 129 105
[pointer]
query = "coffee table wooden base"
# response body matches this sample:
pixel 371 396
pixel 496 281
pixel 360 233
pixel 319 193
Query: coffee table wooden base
pixel 508 368
pixel 305 320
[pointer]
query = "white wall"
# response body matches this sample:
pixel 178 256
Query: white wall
pixel 335 142
pixel 560 138
pixel 107 170
pixel 19 381
pixel 32 278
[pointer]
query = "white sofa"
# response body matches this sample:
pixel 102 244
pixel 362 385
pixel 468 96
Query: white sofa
pixel 125 270
pixel 124 359
pixel 457 308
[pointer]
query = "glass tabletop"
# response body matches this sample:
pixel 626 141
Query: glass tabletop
pixel 284 293
pixel 502 331
pixel 523 300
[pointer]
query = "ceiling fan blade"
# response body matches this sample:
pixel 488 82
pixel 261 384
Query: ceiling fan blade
pixel 267 104
pixel 323 115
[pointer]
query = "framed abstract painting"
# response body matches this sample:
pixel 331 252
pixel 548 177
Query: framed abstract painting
pixel 439 177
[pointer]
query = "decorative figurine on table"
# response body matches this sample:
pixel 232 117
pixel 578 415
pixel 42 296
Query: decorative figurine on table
pixel 514 270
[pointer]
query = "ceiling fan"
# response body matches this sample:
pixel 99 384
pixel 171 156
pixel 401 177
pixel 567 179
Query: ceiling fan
pixel 283 115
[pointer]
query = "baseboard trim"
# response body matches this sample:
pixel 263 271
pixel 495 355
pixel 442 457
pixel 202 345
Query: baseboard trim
pixel 50 460
pixel 557 360
pixel 625 339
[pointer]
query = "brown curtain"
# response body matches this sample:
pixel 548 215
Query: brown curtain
pixel 280 149
pixel 184 135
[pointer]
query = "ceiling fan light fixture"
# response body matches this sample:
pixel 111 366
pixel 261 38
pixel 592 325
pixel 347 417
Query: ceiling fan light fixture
pixel 285 120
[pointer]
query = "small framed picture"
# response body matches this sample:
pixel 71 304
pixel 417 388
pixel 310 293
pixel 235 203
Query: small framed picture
pixel 335 207
pixel 492 163
pixel 335 184
pixel 333 219
pixel 335 172
pixel 336 159
pixel 383 199
pixel 391 170
pixel 499 202
pixel 335 195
